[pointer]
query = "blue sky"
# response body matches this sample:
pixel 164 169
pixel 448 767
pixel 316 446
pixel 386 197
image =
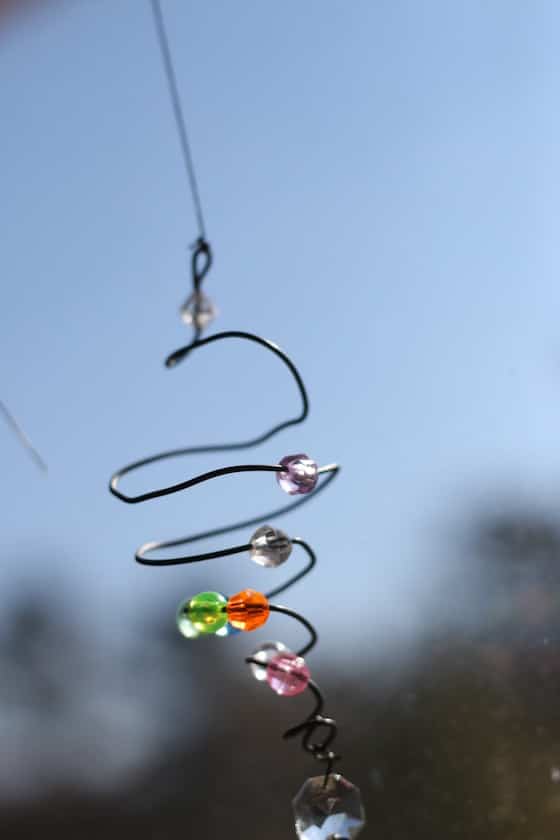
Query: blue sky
pixel 380 185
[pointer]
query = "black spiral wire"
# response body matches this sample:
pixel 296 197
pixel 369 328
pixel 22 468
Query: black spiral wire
pixel 317 731
pixel 316 720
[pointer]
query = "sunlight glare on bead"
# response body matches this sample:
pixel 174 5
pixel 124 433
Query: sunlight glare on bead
pixel 263 654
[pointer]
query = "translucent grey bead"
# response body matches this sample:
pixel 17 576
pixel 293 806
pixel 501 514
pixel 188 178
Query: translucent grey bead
pixel 270 546
pixel 198 310
pixel 264 653
pixel 325 811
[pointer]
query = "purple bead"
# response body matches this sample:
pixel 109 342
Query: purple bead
pixel 287 674
pixel 300 475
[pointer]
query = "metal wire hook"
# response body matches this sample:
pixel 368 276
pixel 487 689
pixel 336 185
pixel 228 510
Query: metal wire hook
pixel 202 251
pixel 314 721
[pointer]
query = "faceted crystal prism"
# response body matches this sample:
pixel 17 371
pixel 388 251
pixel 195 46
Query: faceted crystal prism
pixel 326 811
pixel 198 310
pixel 184 624
pixel 270 546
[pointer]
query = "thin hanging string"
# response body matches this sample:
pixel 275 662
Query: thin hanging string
pixel 178 112
pixel 20 434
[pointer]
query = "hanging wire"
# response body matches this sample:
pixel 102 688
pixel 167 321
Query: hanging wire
pixel 201 262
pixel 163 40
pixel 22 437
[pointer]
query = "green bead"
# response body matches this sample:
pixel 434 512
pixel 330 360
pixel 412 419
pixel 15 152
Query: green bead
pixel 205 613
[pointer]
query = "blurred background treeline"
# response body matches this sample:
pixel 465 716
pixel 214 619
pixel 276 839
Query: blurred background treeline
pixel 456 734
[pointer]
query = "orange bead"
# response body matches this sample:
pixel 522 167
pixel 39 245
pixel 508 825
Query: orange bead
pixel 247 610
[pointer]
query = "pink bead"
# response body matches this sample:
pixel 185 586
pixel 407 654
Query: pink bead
pixel 287 674
pixel 299 475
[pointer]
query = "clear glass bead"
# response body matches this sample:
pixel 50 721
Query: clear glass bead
pixel 265 653
pixel 270 546
pixel 198 310
pixel 327 811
